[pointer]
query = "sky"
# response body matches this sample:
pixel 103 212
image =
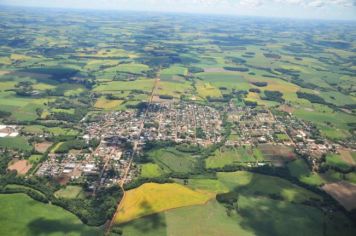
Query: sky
pixel 320 9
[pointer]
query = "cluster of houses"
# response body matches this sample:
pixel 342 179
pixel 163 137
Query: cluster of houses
pixel 183 123
pixel 307 140
pixel 103 167
pixel 253 126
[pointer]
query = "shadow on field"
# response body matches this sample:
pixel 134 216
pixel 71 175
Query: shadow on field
pixel 42 226
pixel 150 222
pixel 263 209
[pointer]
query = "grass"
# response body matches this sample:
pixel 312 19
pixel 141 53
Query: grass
pixel 247 183
pixel 34 159
pixel 151 170
pixel 231 156
pixel 334 160
pixel 265 216
pixel 18 143
pixel 152 225
pixel 152 198
pixel 141 84
pixel 205 90
pixel 37 218
pixel 211 185
pixel 70 192
pixel 103 103
pixel 171 160
pixel 210 219
pixel 54 149
pixel 300 170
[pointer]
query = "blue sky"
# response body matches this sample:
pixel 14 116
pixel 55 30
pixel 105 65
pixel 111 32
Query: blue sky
pixel 326 9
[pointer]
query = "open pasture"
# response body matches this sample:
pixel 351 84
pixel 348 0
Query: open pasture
pixel 151 170
pixel 103 103
pixel 37 218
pixel 141 84
pixel 300 169
pixel 232 156
pixel 18 143
pixel 171 160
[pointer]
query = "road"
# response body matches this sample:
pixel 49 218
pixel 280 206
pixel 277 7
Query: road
pixel 134 150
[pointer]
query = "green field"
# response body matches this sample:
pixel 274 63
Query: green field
pixel 300 170
pixel 151 170
pixel 233 156
pixel 18 143
pixel 171 160
pixel 336 162
pixel 70 192
pixel 36 218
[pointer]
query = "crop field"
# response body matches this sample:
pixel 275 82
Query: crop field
pixel 142 84
pixel 21 167
pixel 105 104
pixel 300 170
pixel 151 170
pixel 231 156
pixel 36 218
pixel 205 90
pixel 277 154
pixel 248 184
pixel 171 160
pixel 152 198
pixel 61 72
pixel 337 162
pixel 343 192
pixel 257 213
pixel 19 143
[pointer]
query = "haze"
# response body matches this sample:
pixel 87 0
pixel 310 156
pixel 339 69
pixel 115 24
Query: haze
pixel 319 9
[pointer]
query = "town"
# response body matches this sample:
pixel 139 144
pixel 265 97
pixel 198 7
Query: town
pixel 123 134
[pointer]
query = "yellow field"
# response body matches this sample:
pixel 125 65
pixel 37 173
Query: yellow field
pixel 19 57
pixel 102 103
pixel 206 89
pixel 151 198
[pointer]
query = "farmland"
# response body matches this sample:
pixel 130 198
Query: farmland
pixel 38 218
pixel 175 124
pixel 153 198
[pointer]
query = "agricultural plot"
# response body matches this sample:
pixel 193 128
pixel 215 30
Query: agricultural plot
pixel 233 156
pixel 17 143
pixel 36 218
pixel 171 160
pixel 247 183
pixel 278 155
pixel 335 161
pixel 343 192
pixel 20 166
pixel 105 104
pixel 152 198
pixel 151 170
pixel 142 84
pixel 300 170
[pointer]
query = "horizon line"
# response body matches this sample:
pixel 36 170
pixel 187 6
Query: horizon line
pixel 178 12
